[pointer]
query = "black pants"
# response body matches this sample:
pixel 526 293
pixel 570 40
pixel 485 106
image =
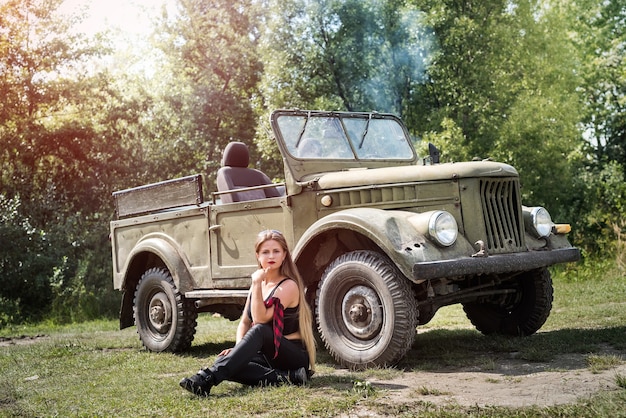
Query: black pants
pixel 251 361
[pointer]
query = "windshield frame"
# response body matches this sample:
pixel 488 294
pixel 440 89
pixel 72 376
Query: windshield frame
pixel 362 140
pixel 344 136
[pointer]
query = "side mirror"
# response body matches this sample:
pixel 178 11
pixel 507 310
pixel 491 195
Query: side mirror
pixel 433 153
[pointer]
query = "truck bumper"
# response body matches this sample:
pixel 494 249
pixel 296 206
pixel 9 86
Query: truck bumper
pixel 493 264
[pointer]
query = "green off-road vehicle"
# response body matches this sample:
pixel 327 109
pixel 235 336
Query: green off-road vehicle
pixel 382 237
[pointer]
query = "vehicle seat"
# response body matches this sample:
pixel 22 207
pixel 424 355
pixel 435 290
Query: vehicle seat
pixel 235 174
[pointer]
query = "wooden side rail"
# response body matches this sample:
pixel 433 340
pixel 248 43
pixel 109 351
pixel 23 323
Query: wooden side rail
pixel 156 197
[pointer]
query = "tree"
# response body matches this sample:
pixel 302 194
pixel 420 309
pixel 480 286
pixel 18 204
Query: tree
pixel 343 55
pixel 597 203
pixel 504 81
pixel 602 35
pixel 24 265
pixel 541 134
pixel 213 73
pixel 60 157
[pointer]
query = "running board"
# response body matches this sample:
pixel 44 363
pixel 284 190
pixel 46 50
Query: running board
pixel 218 296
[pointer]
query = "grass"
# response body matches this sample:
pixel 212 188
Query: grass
pixel 600 363
pixel 93 369
pixel 428 391
pixel 108 374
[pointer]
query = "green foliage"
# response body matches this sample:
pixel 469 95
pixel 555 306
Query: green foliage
pixel 59 161
pixel 204 99
pixel 598 208
pixel 25 265
pixel 466 82
pixel 503 85
pixel 343 55
pixel 601 34
pixel 447 138
pixel 40 275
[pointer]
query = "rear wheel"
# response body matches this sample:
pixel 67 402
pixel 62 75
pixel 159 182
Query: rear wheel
pixel 366 311
pixel 165 320
pixel 520 312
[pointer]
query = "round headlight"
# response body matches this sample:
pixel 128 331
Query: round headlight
pixel 542 221
pixel 442 228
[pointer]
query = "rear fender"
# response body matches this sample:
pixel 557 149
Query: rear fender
pixel 153 250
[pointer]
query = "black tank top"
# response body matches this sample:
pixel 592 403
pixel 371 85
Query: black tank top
pixel 291 315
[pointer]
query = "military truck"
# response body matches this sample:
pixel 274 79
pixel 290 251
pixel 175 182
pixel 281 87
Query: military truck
pixel 383 239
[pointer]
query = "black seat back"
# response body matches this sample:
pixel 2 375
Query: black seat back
pixel 235 174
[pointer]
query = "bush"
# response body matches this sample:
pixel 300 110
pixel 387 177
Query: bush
pixel 620 244
pixel 597 209
pixel 62 274
pixel 25 266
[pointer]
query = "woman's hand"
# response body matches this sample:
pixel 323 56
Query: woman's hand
pixel 259 275
pixel 225 352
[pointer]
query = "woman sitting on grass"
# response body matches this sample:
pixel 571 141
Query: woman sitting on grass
pixel 274 342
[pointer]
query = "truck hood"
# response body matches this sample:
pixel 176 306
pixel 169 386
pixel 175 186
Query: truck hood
pixel 413 173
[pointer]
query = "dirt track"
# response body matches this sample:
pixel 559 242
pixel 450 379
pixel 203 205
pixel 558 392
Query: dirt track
pixel 513 384
pixel 510 383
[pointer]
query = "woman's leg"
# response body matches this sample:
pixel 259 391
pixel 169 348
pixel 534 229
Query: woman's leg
pixel 225 367
pixel 258 339
pixel 289 367
pixel 251 362
pixel 291 355
pixel 258 372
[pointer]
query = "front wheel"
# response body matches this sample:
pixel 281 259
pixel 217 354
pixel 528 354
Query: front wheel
pixel 366 311
pixel 165 320
pixel 523 310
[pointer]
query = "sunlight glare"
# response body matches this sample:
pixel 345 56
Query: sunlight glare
pixel 130 17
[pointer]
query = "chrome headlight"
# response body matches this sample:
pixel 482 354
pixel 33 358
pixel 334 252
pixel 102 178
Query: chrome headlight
pixel 541 222
pixel 442 228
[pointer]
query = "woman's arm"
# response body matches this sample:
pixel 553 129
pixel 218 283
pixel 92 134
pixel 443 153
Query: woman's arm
pixel 257 305
pixel 244 325
pixel 287 292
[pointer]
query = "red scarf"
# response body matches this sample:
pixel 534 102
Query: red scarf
pixel 278 323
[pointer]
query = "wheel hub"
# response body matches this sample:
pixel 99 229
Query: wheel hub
pixel 358 312
pixel 362 312
pixel 159 312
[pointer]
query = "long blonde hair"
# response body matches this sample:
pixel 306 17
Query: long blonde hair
pixel 289 269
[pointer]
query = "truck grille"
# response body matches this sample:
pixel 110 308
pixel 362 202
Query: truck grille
pixel 502 215
pixel 402 195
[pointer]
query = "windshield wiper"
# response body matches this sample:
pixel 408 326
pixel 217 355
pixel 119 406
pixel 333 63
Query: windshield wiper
pixel 367 125
pixel 308 116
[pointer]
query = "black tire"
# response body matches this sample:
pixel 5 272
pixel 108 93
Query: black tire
pixel 521 312
pixel 165 320
pixel 366 311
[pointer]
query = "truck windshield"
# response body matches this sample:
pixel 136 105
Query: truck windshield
pixel 349 138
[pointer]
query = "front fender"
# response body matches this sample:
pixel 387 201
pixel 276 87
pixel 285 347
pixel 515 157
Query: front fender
pixel 394 232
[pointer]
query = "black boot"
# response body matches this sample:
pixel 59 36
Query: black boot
pixel 200 383
pixel 298 377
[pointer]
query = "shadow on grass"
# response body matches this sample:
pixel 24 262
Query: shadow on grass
pixel 455 350
pixel 207 349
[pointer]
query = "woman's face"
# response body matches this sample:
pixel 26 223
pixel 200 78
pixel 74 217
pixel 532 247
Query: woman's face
pixel 271 255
